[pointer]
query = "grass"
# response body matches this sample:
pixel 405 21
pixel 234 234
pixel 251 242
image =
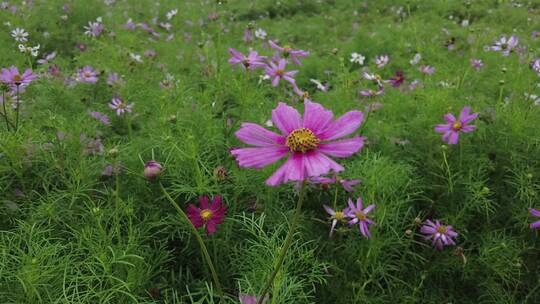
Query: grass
pixel 70 234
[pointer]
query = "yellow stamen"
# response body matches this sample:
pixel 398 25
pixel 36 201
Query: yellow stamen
pixel 339 215
pixel 442 229
pixel 457 126
pixel 302 140
pixel 206 214
pixel 17 78
pixel 280 72
pixel 360 215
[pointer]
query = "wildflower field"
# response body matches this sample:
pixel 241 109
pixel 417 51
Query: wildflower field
pixel 292 151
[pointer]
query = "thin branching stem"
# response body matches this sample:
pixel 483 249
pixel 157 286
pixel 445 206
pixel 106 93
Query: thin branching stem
pixel 204 250
pixel 286 245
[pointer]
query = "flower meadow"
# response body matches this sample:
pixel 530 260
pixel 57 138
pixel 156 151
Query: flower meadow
pixel 292 151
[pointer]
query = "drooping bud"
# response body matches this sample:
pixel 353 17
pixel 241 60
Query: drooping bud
pixel 152 169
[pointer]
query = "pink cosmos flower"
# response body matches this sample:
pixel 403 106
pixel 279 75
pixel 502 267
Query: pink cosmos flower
pixel 358 216
pixel 397 80
pixel 13 78
pixel 336 216
pixel 382 60
pixel 287 51
pixel 104 119
pixel 439 235
pixel 427 69
pixel 477 64
pixel 208 216
pixel 252 61
pixel 120 106
pixel 277 71
pixel 345 183
pixel 454 126
pixel 308 142
pixel 536 213
pixel 87 74
pixel 505 45
pixel 248 35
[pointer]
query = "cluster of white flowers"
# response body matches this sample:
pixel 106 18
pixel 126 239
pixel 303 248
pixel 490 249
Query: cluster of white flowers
pixel 357 58
pixel 172 13
pixel 260 34
pixel 20 35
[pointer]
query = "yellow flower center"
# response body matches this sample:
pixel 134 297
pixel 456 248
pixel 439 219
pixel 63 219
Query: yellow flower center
pixel 339 215
pixel 206 214
pixel 122 106
pixel 17 77
pixel 378 78
pixel 305 95
pixel 280 72
pixel 87 74
pixel 457 126
pixel 302 140
pixel 287 48
pixel 442 229
pixel 360 215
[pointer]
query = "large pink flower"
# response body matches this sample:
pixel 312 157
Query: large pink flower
pixel 308 142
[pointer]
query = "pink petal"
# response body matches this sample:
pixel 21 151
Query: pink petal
pixel 343 126
pixel 253 134
pixel 453 139
pixel 351 204
pixel 534 212
pixel 316 117
pixel 286 118
pixel 428 229
pixel 467 129
pixel 450 118
pixel 275 81
pixel 259 157
pixel 317 164
pixel 369 208
pixel 359 203
pixel 203 200
pixel 343 148
pixel 329 210
pixel 210 227
pixel 535 225
pixel 442 128
pixel 292 169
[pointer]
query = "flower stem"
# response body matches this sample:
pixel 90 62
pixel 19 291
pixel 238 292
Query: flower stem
pixel 286 245
pixel 17 111
pixel 204 250
pixel 5 110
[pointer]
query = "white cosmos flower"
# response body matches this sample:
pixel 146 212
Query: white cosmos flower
pixel 357 58
pixel 20 35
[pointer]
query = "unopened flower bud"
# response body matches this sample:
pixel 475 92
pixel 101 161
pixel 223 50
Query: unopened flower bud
pixel 113 152
pixel 152 169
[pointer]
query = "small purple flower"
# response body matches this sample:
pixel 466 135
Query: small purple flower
pixel 382 60
pixel 13 78
pixel 454 126
pixel 115 80
pixel 104 119
pixel 47 58
pixel 94 29
pixel 335 179
pixel 397 80
pixel 359 216
pixel 505 45
pixel 120 106
pixel 252 61
pixel 129 25
pixel 535 213
pixel 336 216
pixel 248 35
pixel 535 65
pixel 477 64
pixel 287 52
pixel 427 69
pixel 87 75
pixel 439 235
pixel 277 72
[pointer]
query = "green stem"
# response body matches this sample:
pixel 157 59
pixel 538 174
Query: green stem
pixel 204 250
pixel 4 101
pixel 17 111
pixel 287 244
pixel 450 182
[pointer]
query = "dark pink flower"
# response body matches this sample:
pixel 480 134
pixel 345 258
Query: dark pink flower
pixel 454 126
pixel 152 169
pixel 397 80
pixel 247 299
pixel 439 235
pixel 208 216
pixel 308 142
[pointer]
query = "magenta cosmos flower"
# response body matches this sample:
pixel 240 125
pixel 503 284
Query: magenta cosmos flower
pixel 120 106
pixel 439 235
pixel 454 126
pixel 12 77
pixel 277 71
pixel 208 216
pixel 287 51
pixel 308 142
pixel 252 61
pixel 87 74
pixel 248 299
pixel 536 213
pixel 336 216
pixel 358 216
